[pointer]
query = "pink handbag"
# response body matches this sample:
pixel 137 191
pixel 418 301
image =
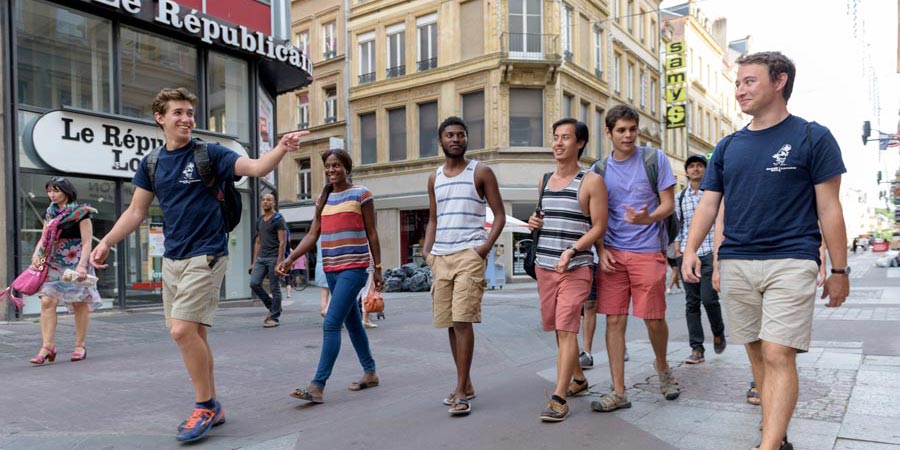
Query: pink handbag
pixel 30 281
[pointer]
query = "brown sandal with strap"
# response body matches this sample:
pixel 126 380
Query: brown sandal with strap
pixel 308 395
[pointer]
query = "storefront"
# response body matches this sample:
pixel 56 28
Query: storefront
pixel 80 78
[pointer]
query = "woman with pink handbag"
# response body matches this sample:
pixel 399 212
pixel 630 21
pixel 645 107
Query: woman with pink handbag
pixel 70 251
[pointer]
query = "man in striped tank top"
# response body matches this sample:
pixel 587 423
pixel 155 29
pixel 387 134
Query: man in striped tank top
pixel 572 219
pixel 456 249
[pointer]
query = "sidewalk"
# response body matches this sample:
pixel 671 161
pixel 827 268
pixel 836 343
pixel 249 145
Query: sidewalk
pixel 132 390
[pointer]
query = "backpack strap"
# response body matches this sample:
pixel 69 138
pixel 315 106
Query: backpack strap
pixel 681 204
pixel 546 179
pixel 651 166
pixel 205 169
pixel 152 161
pixel 599 166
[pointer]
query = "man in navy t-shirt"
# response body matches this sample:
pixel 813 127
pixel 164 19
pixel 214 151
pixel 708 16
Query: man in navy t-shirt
pixel 196 255
pixel 780 180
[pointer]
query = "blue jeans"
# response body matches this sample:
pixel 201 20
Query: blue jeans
pixel 344 286
pixel 261 268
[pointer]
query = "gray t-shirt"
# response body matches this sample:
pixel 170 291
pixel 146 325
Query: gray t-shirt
pixel 268 236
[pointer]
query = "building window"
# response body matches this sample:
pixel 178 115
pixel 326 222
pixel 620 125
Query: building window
pixel 303 112
pixel 330 105
pixel 525 28
pixel 566 32
pixel 367 58
pixel 653 35
pixel 368 138
pixel 428 129
pixel 641 30
pixel 142 55
pixel 329 41
pixel 396 49
pixel 397 134
pixel 585 107
pixel 426 31
pixel 473 114
pixel 630 81
pixel 229 112
pixel 566 109
pixel 617 73
pixel 600 127
pixel 304 179
pixel 629 16
pixel 653 92
pixel 598 52
pixel 303 42
pixel 63 58
pixel 526 117
pixel 471 29
pixel 643 88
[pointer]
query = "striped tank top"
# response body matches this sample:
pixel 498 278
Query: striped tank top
pixel 564 224
pixel 460 212
pixel 343 230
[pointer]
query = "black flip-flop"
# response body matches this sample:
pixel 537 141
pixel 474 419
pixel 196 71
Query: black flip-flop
pixel 753 394
pixel 785 445
pixel 449 400
pixel 464 412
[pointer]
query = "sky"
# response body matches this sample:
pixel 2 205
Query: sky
pixel 841 69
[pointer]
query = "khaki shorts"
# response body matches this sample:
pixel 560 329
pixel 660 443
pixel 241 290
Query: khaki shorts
pixel 771 300
pixel 191 288
pixel 457 287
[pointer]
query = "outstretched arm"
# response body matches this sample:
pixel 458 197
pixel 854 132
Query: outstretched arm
pixel 130 220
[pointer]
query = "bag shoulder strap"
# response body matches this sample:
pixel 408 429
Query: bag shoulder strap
pixel 204 165
pixel 599 166
pixel 152 161
pixel 651 166
pixel 543 186
pixel 681 202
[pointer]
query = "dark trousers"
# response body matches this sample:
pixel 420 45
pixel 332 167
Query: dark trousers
pixel 261 268
pixel 703 292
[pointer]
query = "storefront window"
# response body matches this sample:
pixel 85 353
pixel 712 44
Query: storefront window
pixel 62 57
pixel 100 194
pixel 148 64
pixel 228 102
pixel 143 256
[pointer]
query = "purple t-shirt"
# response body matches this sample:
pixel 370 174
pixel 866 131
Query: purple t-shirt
pixel 627 184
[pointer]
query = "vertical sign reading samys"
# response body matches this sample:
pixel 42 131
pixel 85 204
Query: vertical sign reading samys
pixel 676 85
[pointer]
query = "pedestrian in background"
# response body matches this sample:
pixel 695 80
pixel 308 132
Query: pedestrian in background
pixel 70 252
pixel 268 252
pixel 345 221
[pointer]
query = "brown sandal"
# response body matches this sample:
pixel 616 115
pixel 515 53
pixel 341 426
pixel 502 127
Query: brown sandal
pixel 362 384
pixel 308 395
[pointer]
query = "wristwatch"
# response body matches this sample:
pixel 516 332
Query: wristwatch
pixel 844 271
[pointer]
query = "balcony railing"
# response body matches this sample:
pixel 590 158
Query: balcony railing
pixel 302 125
pixel 331 119
pixel 329 54
pixel 367 78
pixel 398 71
pixel 426 64
pixel 598 73
pixel 530 46
pixel 567 54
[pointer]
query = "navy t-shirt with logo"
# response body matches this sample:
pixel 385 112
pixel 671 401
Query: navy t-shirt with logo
pixel 768 179
pixel 192 220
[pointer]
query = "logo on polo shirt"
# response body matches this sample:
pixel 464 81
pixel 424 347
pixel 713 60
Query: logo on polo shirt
pixel 780 158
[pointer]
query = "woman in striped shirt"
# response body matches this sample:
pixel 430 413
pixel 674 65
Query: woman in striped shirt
pixel 345 220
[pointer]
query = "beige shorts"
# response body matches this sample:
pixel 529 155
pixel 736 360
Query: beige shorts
pixel 191 288
pixel 771 300
pixel 457 287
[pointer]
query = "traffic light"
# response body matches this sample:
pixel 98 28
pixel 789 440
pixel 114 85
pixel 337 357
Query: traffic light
pixel 867 131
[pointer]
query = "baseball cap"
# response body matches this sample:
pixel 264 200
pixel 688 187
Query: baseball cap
pixel 693 159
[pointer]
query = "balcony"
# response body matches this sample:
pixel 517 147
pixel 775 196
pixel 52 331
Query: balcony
pixel 567 55
pixel 530 46
pixel 598 73
pixel 330 119
pixel 426 64
pixel 398 71
pixel 329 54
pixel 367 78
pixel 302 125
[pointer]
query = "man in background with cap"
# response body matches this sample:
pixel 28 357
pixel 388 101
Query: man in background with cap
pixel 702 292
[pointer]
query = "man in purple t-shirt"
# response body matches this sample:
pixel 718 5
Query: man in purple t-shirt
pixel 632 255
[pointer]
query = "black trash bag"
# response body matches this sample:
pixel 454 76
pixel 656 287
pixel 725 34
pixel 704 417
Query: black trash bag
pixel 393 284
pixel 409 269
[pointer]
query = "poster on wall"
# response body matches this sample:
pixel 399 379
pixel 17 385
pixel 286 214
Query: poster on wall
pixel 156 241
pixel 266 128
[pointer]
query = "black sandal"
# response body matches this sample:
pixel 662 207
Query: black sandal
pixel 785 445
pixel 752 395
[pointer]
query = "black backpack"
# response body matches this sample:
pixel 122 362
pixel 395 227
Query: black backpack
pixel 651 166
pixel 229 199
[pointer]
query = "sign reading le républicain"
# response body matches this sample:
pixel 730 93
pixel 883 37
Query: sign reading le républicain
pixel 84 143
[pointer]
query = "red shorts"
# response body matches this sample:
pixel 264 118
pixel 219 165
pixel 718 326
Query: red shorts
pixel 562 297
pixel 638 277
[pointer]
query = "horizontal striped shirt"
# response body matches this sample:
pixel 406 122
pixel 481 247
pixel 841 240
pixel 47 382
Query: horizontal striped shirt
pixel 460 212
pixel 343 230
pixel 564 224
